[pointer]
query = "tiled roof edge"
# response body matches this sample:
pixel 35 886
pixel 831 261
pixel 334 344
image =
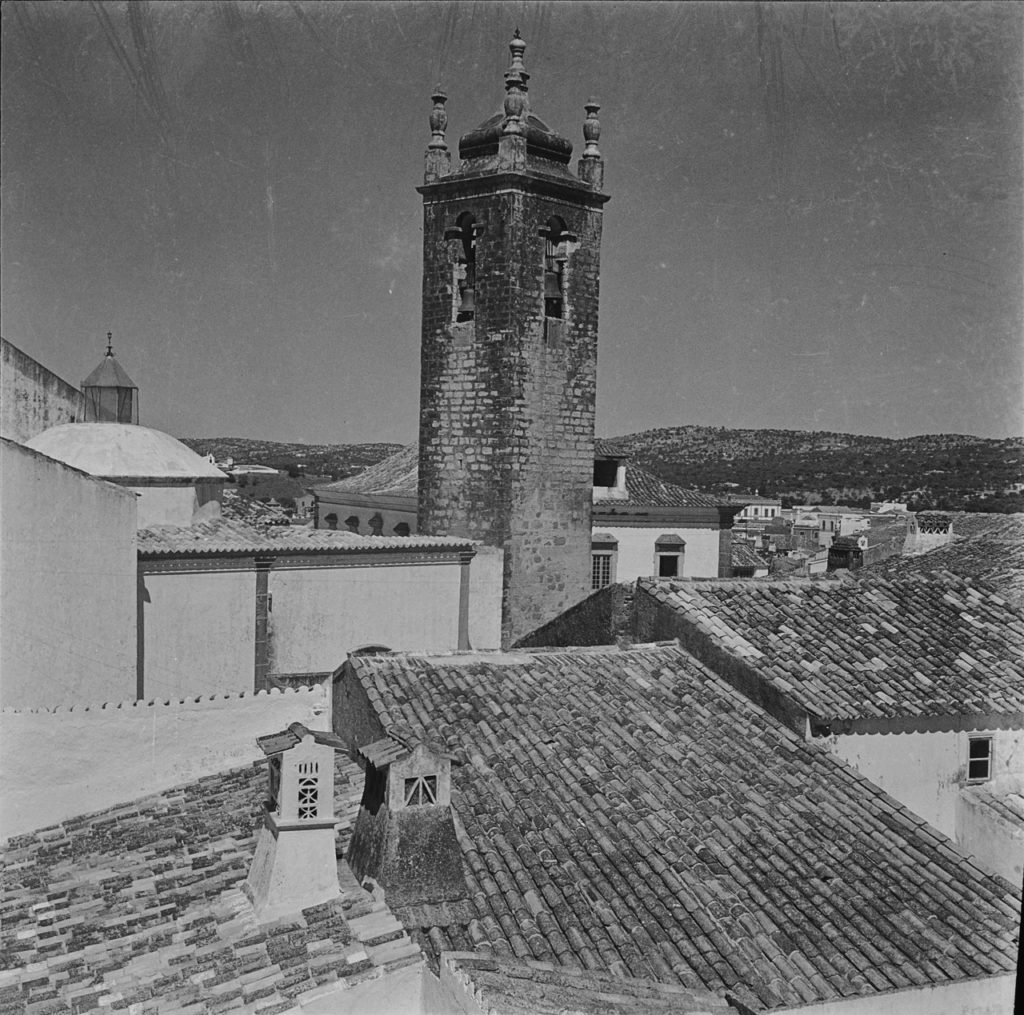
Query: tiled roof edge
pixel 942 723
pixel 313 550
pixel 703 642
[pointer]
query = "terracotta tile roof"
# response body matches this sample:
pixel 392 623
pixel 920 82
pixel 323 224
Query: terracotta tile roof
pixel 219 536
pixel 236 507
pixel 530 987
pixel 629 812
pixel 610 448
pixel 867 647
pixel 744 555
pixel 1008 807
pixel 140 908
pixel 995 554
pixel 993 526
pixel 646 490
pixel 291 736
pixel 398 474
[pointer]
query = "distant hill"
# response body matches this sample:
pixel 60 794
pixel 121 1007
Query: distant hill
pixel 933 471
pixel 950 472
pixel 335 461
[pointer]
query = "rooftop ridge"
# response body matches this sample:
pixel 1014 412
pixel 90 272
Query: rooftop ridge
pixel 459 657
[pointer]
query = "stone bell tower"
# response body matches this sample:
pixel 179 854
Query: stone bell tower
pixel 511 255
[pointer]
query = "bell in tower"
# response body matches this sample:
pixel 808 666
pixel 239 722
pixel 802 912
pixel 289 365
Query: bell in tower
pixel 109 394
pixel 511 259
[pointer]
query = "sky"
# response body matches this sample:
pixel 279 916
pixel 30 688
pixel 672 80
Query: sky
pixel 815 219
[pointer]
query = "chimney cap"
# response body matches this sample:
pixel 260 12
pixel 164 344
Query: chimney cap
pixel 276 743
pixel 390 749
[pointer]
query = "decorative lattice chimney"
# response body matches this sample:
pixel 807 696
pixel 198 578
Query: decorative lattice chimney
pixel 295 865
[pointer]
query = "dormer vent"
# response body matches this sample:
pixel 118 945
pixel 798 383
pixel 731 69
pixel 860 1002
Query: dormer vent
pixel 295 865
pixel 404 838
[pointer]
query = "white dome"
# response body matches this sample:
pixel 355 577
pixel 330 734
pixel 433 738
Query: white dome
pixel 123 452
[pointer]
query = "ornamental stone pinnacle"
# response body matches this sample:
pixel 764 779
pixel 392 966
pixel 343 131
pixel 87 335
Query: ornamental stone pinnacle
pixel 590 167
pixel 517 102
pixel 438 120
pixel 438 158
pixel 591 131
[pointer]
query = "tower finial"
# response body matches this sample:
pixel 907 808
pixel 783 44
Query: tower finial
pixel 438 159
pixel 591 131
pixel 438 120
pixel 110 351
pixel 516 101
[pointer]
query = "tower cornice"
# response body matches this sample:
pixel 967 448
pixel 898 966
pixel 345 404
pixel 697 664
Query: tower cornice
pixel 490 183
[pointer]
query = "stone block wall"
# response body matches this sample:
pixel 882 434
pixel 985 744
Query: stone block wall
pixel 604 618
pixel 507 399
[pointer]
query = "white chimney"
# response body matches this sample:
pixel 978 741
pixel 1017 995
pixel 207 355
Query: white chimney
pixel 295 864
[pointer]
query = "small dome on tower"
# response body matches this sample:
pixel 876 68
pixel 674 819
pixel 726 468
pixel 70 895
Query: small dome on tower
pixel 516 117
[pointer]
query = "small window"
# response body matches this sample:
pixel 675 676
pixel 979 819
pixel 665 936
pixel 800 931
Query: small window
pixel 979 759
pixel 668 556
pixel 352 523
pixel 332 520
pixel 421 789
pixel 376 524
pixel 401 529
pixel 606 471
pixel 600 570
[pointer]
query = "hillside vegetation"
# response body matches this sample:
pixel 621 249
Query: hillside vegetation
pixel 327 461
pixel 932 471
pixel 950 472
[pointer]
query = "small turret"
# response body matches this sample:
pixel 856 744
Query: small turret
pixel 110 395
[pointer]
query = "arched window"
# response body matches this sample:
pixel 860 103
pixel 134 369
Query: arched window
pixel 556 257
pixel 465 231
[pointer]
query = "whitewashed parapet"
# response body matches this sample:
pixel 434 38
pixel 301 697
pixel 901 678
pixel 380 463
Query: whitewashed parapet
pixel 140 705
pixel 63 761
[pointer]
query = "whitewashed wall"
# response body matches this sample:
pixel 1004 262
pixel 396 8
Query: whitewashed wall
pixel 925 771
pixel 320 614
pixel 67 583
pixel 199 631
pixel 636 551
pixel 62 763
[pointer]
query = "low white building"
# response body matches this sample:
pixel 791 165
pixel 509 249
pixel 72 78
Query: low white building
pixel 644 526
pixel 641 524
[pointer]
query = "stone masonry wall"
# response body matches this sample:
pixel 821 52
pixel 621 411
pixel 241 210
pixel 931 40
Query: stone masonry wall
pixel 604 618
pixel 507 409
